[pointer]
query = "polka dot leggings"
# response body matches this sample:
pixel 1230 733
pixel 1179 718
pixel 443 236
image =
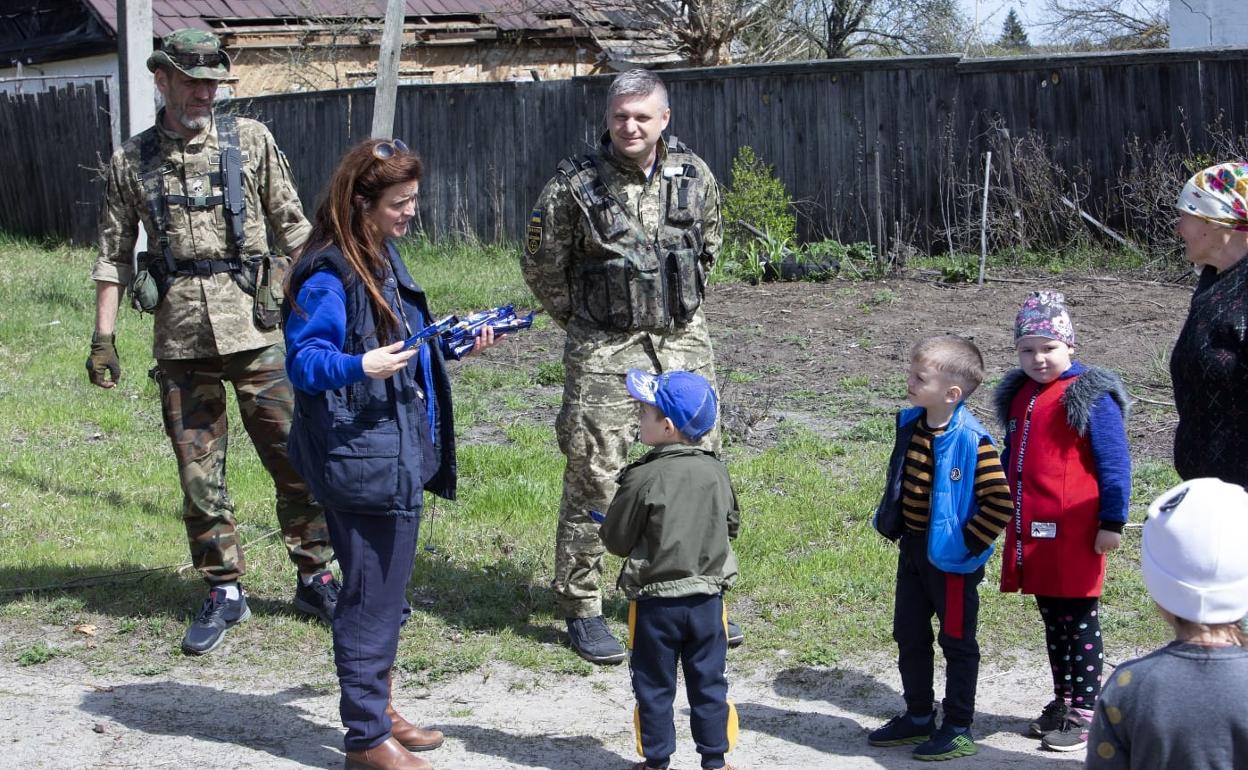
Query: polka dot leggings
pixel 1072 634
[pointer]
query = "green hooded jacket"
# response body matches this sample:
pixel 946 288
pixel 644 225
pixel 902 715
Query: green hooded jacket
pixel 672 520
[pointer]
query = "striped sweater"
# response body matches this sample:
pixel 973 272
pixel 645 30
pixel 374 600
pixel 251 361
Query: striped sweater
pixel 992 493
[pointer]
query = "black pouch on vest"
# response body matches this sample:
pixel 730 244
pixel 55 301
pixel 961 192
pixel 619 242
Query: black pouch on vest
pixel 684 279
pixel 270 277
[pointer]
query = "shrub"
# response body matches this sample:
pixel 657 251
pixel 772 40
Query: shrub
pixel 759 198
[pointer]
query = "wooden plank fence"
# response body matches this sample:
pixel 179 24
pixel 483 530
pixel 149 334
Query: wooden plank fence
pixel 52 146
pixel 874 149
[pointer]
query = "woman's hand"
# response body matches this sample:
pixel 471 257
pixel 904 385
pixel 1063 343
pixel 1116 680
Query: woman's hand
pixel 485 339
pixel 382 363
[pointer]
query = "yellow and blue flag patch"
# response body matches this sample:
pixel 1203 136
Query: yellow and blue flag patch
pixel 534 240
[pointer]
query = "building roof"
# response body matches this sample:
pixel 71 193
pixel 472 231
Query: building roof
pixel 169 15
pixel 49 30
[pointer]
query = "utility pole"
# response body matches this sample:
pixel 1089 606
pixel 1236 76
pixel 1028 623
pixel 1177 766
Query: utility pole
pixel 138 90
pixel 386 91
pixel 134 41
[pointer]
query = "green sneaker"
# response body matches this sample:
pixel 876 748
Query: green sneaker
pixel 949 742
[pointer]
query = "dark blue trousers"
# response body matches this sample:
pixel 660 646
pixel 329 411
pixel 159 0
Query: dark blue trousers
pixel 691 629
pixel 375 554
pixel 923 591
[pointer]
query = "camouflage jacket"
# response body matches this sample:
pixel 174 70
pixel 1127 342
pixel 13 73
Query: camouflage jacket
pixel 569 251
pixel 210 315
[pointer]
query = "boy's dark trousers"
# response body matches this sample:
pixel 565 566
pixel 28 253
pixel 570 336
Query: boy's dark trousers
pixel 924 590
pixel 690 629
pixel 376 555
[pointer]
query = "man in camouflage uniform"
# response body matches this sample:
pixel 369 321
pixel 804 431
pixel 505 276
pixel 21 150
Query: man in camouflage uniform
pixel 213 324
pixel 618 249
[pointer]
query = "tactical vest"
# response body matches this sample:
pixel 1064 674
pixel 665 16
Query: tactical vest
pixel 258 275
pixel 226 183
pixel 626 278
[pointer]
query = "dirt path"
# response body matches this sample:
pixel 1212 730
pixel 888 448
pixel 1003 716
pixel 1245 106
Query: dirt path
pixel 59 716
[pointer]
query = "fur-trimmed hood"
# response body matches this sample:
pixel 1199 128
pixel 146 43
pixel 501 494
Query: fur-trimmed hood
pixel 1092 383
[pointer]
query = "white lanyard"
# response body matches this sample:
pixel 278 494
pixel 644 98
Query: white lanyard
pixel 1018 482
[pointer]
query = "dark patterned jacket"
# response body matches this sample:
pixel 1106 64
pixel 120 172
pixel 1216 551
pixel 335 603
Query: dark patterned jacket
pixel 1209 369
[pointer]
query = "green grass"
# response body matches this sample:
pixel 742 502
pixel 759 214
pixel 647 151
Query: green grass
pixel 88 488
pixel 962 268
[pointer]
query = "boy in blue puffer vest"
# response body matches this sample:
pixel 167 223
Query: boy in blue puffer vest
pixel 945 502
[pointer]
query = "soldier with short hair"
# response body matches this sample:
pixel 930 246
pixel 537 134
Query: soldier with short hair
pixel 618 251
pixel 210 189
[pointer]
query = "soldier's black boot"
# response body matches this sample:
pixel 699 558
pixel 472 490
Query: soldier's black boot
pixel 592 640
pixel 218 614
pixel 319 597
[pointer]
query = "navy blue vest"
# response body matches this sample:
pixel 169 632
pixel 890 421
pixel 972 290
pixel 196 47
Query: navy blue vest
pixel 372 447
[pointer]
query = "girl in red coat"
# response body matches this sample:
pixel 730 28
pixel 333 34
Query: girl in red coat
pixel 1066 458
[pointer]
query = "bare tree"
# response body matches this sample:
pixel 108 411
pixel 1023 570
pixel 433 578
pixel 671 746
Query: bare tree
pixel 702 32
pixel 1109 24
pixel 840 28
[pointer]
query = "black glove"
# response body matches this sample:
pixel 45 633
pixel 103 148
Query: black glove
pixel 103 360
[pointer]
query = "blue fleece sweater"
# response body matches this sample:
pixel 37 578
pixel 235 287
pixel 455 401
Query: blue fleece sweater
pixel 314 358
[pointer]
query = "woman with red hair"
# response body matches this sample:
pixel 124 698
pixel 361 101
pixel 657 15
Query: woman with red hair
pixel 372 429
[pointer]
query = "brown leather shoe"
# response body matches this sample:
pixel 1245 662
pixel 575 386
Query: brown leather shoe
pixel 388 755
pixel 412 737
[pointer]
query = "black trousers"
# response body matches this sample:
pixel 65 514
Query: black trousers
pixel 376 555
pixel 923 591
pixel 691 631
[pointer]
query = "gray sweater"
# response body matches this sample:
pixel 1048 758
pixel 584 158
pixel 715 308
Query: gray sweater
pixel 1179 708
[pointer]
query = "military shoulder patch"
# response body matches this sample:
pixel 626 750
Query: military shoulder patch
pixel 534 240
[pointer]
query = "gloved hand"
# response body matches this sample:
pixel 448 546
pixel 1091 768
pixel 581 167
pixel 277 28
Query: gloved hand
pixel 103 360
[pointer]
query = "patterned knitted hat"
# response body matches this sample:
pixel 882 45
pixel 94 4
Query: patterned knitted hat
pixel 1044 314
pixel 1218 194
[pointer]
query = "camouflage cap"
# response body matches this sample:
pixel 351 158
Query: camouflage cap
pixel 194 52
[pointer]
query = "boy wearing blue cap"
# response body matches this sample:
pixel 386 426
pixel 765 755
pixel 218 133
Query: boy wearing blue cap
pixel 672 519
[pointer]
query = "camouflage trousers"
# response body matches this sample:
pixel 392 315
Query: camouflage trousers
pixel 193 401
pixel 596 427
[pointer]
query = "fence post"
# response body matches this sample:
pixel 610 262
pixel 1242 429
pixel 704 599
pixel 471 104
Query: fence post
pixel 983 220
pixel 879 209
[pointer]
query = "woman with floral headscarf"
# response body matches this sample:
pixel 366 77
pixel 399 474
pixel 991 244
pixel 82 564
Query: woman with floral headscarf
pixel 1209 365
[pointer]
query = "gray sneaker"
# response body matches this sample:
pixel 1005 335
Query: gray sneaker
pixel 592 640
pixel 216 616
pixel 1071 736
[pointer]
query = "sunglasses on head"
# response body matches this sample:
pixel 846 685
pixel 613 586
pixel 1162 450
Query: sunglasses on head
pixel 388 149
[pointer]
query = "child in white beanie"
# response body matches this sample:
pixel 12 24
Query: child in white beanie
pixel 1183 706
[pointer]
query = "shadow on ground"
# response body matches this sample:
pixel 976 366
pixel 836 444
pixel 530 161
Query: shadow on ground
pixel 577 752
pixel 859 693
pixel 273 724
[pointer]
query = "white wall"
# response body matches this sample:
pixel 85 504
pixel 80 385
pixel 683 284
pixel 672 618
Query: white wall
pixel 41 77
pixel 1196 23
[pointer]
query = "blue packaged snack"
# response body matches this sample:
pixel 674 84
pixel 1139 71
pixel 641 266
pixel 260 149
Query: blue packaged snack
pixel 430 331
pixel 462 335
